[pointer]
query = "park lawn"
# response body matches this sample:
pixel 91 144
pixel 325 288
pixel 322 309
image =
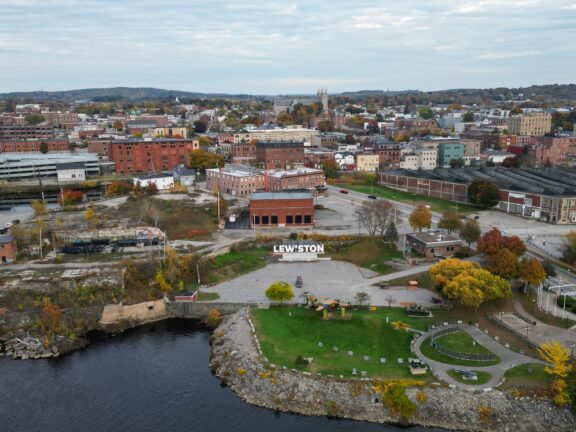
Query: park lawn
pixel 462 342
pixel 531 375
pixel 424 281
pixel 283 338
pixel 369 253
pixel 483 377
pixel 235 263
pixel 436 204
pixel 207 296
pixel 432 354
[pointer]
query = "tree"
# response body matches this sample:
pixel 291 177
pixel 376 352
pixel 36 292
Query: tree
pixel 421 218
pixel 118 125
pixel 376 216
pixel 558 356
pixel 468 117
pixel 200 126
pixel 204 141
pixel 331 169
pixel 39 207
pixel 280 291
pixel 202 160
pixel 50 319
pixel 448 269
pixel 457 163
pixel 349 139
pixel 569 249
pixel 483 193
pixel 165 287
pixel 470 232
pixel 43 147
pixel 389 299
pixel 391 234
pixel 503 263
pixel 90 216
pixel 514 244
pixel 325 126
pixel 362 298
pixel 511 162
pixel 549 268
pixel 491 242
pixel 425 112
pixel 450 221
pixel 34 119
pixel 531 271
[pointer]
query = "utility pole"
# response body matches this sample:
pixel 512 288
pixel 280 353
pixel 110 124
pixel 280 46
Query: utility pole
pixel 40 236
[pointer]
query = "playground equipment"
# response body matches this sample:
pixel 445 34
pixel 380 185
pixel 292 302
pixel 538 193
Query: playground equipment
pixel 320 304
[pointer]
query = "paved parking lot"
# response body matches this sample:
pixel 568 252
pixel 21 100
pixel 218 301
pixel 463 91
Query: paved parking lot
pixel 331 279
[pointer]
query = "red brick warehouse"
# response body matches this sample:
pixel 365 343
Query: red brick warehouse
pixel 281 209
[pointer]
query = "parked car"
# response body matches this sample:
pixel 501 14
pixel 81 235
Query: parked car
pixel 299 282
pixel 372 196
pixel 15 221
pixel 8 225
pixel 344 191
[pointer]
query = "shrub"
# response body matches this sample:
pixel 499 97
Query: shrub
pixel 301 361
pixel 214 318
pixel 485 414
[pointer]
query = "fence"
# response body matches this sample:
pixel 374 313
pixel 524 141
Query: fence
pixel 455 354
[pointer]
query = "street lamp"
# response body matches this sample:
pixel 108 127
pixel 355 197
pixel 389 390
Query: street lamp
pixel 533 303
pixel 572 350
pixel 527 330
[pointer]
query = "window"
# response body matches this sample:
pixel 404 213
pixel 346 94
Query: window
pixel 298 219
pixel 289 219
pixel 274 220
pixel 265 220
pixel 307 219
pixel 256 220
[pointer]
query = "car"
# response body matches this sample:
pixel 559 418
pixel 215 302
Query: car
pixel 299 283
pixel 8 225
pixel 344 191
pixel 15 221
pixel 372 196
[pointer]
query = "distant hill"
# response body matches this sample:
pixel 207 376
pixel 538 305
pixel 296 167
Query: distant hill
pixel 538 93
pixel 113 94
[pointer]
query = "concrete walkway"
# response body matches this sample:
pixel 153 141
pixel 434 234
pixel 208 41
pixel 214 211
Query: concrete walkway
pixel 508 359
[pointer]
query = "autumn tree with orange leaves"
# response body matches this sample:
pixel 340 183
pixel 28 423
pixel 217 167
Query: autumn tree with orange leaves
pixel 50 320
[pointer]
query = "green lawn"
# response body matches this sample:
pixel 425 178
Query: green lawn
pixel 207 296
pixel 236 263
pixel 528 375
pixel 436 204
pixel 461 342
pixel 284 337
pixel 424 281
pixel 483 377
pixel 432 354
pixel 531 307
pixel 368 253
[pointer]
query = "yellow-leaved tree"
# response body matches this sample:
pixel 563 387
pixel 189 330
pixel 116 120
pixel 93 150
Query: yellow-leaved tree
pixel 558 356
pixel 421 218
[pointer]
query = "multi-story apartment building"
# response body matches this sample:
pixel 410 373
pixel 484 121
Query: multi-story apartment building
pixel 21 132
pixel 389 155
pixel 296 133
pixel 29 146
pixel 552 151
pixel 301 178
pixel 419 159
pixel 367 162
pixel 61 120
pixel 280 155
pixel 449 151
pixel 150 154
pixel 533 124
pixel 235 180
pixel 243 153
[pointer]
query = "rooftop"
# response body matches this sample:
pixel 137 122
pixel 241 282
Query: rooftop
pixel 70 165
pixel 5 239
pixel 155 176
pixel 434 237
pixel 280 144
pixel 288 195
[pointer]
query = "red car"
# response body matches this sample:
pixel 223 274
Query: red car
pixel 344 191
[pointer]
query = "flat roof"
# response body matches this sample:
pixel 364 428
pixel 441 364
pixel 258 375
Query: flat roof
pixel 70 165
pixel 434 237
pixel 261 196
pixel 4 239
pixel 294 172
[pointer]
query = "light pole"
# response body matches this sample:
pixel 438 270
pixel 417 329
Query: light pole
pixel 527 330
pixel 572 350
pixel 501 313
pixel 533 303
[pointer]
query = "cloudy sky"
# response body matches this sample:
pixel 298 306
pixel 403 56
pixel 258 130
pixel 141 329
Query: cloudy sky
pixel 275 47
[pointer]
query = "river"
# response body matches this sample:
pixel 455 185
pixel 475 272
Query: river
pixel 153 378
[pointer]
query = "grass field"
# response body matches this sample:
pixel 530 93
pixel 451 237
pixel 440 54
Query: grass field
pixel 207 296
pixel 461 342
pixel 284 337
pixel 424 281
pixel 436 204
pixel 432 354
pixel 541 315
pixel 236 263
pixel 370 254
pixel 483 377
pixel 528 375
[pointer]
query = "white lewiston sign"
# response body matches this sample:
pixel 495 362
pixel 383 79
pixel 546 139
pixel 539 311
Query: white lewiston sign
pixel 304 248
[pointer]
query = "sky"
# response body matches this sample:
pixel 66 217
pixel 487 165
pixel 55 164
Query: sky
pixel 283 47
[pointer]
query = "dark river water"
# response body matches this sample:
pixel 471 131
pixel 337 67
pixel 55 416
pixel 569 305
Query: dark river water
pixel 154 378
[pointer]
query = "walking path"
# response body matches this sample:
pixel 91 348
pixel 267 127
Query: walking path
pixel 508 359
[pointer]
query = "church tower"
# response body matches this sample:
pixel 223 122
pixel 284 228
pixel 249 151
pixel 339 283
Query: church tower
pixel 322 95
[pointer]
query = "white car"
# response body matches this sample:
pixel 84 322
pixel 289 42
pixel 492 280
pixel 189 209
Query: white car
pixel 8 225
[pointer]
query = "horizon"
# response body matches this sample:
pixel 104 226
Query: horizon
pixel 272 48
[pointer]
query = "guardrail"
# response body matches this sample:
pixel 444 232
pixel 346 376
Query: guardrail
pixel 456 354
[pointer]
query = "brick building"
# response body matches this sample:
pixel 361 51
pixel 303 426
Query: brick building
pixel 33 146
pixel 235 180
pixel 433 244
pixel 242 153
pixel 280 155
pixel 150 154
pixel 552 151
pixel 281 209
pixel 301 178
pixel 315 158
pixel 61 120
pixel 7 249
pixel 389 155
pixel 20 132
pixel 99 146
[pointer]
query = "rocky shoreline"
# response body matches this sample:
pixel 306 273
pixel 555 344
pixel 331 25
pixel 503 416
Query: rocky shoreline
pixel 236 360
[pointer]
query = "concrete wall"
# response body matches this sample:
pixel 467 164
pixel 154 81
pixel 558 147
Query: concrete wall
pixel 152 310
pixel 200 310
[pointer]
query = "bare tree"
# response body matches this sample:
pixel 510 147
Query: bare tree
pixel 376 216
pixel 389 300
pixel 362 298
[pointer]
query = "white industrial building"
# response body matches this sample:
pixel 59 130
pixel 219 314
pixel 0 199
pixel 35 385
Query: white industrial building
pixel 20 166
